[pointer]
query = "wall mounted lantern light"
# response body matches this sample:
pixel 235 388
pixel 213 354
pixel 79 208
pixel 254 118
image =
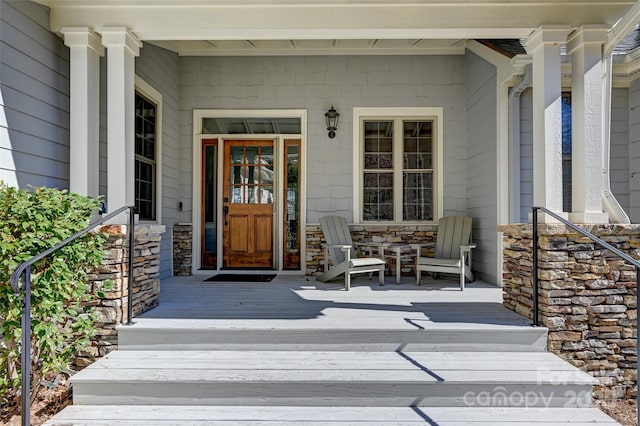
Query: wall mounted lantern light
pixel 332 121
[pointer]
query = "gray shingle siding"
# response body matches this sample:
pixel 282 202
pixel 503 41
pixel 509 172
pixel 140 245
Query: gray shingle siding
pixel 526 154
pixel 315 83
pixel 102 178
pixel 34 98
pixel 621 125
pixel 481 175
pixel 160 68
pixel 634 151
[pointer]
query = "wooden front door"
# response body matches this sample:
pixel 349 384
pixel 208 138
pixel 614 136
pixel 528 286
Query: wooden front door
pixel 248 202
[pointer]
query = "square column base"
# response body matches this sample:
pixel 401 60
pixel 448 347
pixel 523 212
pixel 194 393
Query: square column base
pixel 585 217
pixel 545 218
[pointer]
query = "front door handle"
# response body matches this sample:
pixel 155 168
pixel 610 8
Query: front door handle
pixel 225 210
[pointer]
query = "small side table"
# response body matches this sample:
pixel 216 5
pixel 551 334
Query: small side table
pixel 396 250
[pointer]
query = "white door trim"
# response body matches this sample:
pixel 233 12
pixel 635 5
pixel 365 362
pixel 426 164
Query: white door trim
pixel 198 136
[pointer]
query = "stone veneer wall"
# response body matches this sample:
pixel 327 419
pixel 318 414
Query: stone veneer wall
pixel 182 250
pixel 112 309
pixel 587 297
pixel 401 234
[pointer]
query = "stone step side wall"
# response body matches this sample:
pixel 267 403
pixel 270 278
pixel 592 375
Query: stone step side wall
pixel 113 307
pixel 587 297
pixel 402 234
pixel 182 249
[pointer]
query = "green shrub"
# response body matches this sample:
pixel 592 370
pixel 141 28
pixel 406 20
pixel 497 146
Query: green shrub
pixel 62 324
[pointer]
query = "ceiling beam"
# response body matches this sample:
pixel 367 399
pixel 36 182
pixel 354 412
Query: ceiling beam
pixel 315 19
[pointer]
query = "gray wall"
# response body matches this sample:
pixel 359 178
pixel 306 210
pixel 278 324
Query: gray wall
pixel 315 83
pixel 619 160
pixel 481 174
pixel 102 149
pixel 34 98
pixel 634 151
pixel 160 69
pixel 619 164
pixel 526 154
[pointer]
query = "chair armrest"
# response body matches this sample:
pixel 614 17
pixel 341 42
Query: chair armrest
pixel 422 245
pixel 465 253
pixel 340 246
pixel 344 247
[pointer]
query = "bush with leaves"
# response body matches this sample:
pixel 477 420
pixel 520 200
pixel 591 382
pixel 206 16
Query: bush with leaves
pixel 62 323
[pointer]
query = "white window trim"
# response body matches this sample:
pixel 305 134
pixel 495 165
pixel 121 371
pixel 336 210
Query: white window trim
pixel 431 113
pixel 154 96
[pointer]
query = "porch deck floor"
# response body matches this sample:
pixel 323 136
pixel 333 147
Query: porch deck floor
pixel 397 354
pixel 298 302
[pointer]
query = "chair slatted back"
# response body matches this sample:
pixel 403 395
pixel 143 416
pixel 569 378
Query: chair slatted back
pixel 453 232
pixel 336 231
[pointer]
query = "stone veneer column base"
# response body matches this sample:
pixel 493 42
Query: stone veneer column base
pixel 587 297
pixel 112 309
pixel 182 249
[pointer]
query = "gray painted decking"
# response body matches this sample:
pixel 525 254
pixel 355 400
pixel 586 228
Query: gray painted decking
pixel 334 416
pixel 284 313
pixel 298 352
pixel 297 301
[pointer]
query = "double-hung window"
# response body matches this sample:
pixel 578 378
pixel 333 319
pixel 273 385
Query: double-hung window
pixel 145 157
pixel 398 175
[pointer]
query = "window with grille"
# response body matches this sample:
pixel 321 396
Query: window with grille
pixel 145 157
pixel 398 169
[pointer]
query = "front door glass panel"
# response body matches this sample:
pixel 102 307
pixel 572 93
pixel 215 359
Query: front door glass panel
pixel 251 179
pixel 292 209
pixel 209 239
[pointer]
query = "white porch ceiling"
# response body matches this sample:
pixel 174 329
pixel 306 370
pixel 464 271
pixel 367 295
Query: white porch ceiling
pixel 294 27
pixel 313 47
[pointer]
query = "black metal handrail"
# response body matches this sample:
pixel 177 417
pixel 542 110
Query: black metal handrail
pixel 599 241
pixel 24 270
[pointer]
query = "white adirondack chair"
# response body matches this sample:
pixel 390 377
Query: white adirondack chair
pixel 341 248
pixel 452 250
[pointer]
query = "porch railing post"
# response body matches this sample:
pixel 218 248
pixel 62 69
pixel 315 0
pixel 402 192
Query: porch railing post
pixel 25 359
pixel 23 271
pixel 535 267
pixel 130 277
pixel 602 243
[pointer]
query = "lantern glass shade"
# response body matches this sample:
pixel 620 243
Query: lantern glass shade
pixel 331 117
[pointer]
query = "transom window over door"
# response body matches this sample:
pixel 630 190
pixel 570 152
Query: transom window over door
pixel 399 168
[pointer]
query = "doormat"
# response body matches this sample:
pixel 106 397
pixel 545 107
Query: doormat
pixel 252 278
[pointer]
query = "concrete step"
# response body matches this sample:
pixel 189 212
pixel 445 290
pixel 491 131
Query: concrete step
pixel 312 378
pixel 268 336
pixel 325 416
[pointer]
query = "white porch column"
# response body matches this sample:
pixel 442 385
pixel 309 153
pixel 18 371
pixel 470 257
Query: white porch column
pixel 544 46
pixel 85 51
pixel 122 48
pixel 585 46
